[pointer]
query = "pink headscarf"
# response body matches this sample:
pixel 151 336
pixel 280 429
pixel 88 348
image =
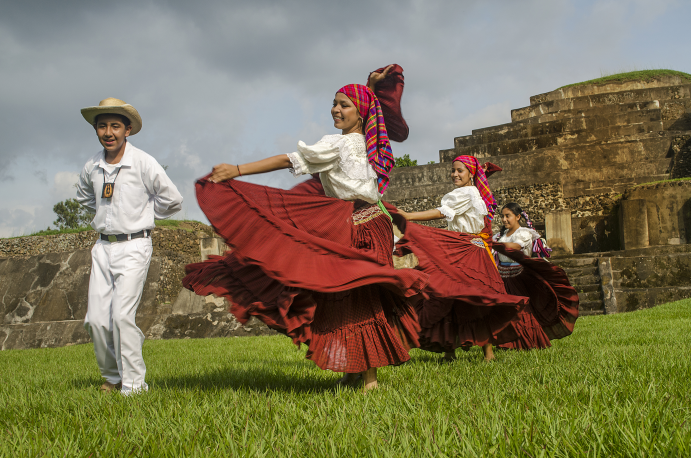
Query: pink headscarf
pixel 481 183
pixel 376 140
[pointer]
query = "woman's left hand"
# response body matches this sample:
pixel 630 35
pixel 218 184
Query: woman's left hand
pixel 378 77
pixel 223 172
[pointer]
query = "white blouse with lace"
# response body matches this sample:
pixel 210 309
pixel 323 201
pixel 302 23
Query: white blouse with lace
pixel 464 210
pixel 342 162
pixel 523 236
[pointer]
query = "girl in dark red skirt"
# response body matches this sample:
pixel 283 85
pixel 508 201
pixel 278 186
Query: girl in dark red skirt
pixel 467 304
pixel 554 305
pixel 317 268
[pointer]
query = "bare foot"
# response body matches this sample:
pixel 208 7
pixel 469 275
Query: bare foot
pixel 488 352
pixel 449 357
pixel 349 379
pixel 370 379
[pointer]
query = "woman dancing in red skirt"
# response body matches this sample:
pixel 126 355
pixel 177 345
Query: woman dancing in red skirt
pixel 467 304
pixel 317 268
pixel 554 304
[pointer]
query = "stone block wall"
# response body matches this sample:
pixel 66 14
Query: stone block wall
pixel 44 284
pixel 594 217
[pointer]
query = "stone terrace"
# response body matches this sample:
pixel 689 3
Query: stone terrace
pixel 575 149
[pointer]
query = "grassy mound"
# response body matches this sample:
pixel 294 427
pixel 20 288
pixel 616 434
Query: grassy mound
pixel 638 75
pixel 619 386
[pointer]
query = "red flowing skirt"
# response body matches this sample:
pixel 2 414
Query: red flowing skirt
pixel 310 267
pixel 467 303
pixel 553 306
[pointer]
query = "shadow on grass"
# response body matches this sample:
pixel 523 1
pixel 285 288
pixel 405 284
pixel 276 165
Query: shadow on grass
pixel 261 376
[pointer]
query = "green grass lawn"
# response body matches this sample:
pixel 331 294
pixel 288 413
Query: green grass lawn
pixel 618 387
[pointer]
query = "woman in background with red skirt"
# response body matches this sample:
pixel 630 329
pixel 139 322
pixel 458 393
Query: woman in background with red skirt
pixel 554 304
pixel 317 268
pixel 467 304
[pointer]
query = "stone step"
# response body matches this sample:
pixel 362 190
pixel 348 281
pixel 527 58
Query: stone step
pixel 575 262
pixel 647 147
pixel 583 136
pixel 616 109
pixel 589 288
pixel 577 103
pixel 584 280
pixel 590 307
pixel 580 271
pixel 596 167
pixel 591 296
pixel 616 86
pixel 559 126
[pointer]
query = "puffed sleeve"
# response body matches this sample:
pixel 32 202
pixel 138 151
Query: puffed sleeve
pixel 317 158
pixel 460 201
pixel 523 237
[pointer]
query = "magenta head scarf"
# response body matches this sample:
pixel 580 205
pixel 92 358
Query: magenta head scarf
pixel 481 183
pixel 376 140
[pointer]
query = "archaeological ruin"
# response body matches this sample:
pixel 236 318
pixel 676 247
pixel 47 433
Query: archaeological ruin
pixel 603 170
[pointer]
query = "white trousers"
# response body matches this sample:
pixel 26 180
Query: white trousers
pixel 118 272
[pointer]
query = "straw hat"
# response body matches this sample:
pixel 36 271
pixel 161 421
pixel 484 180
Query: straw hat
pixel 114 106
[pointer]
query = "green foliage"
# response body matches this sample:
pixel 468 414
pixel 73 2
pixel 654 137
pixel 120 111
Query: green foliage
pixel 431 162
pixel 661 181
pixel 405 161
pixel 618 386
pixel 71 215
pixel 49 231
pixel 637 75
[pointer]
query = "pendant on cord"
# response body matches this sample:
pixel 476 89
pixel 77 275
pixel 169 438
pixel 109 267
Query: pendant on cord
pixel 108 189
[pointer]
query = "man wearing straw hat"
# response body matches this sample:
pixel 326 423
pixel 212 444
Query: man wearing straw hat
pixel 127 190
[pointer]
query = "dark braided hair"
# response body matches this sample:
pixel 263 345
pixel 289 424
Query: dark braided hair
pixel 516 209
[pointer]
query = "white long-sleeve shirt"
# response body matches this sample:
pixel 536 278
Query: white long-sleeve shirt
pixel 342 162
pixel 464 210
pixel 143 192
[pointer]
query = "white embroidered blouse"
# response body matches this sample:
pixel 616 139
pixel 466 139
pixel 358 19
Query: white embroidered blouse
pixel 464 210
pixel 342 162
pixel 523 236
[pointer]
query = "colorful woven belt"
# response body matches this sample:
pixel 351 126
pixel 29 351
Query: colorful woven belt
pixel 509 270
pixel 365 214
pixel 478 242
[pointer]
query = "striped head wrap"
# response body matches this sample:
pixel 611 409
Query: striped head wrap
pixel 481 183
pixel 376 140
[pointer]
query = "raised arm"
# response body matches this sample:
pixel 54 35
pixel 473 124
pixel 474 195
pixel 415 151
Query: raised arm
pixel 223 172
pixel 427 215
pixel 377 77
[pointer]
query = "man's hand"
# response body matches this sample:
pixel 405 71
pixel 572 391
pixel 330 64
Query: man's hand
pixel 377 77
pixel 223 172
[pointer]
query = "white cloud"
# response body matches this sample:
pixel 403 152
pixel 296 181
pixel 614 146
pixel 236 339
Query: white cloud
pixel 220 81
pixel 64 185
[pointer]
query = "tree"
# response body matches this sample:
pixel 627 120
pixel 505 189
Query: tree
pixel 71 215
pixel 405 161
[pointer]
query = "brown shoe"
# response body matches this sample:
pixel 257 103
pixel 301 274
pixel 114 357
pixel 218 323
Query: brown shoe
pixel 108 387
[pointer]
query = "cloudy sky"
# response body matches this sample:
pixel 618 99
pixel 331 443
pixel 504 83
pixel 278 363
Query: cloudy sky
pixel 225 81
